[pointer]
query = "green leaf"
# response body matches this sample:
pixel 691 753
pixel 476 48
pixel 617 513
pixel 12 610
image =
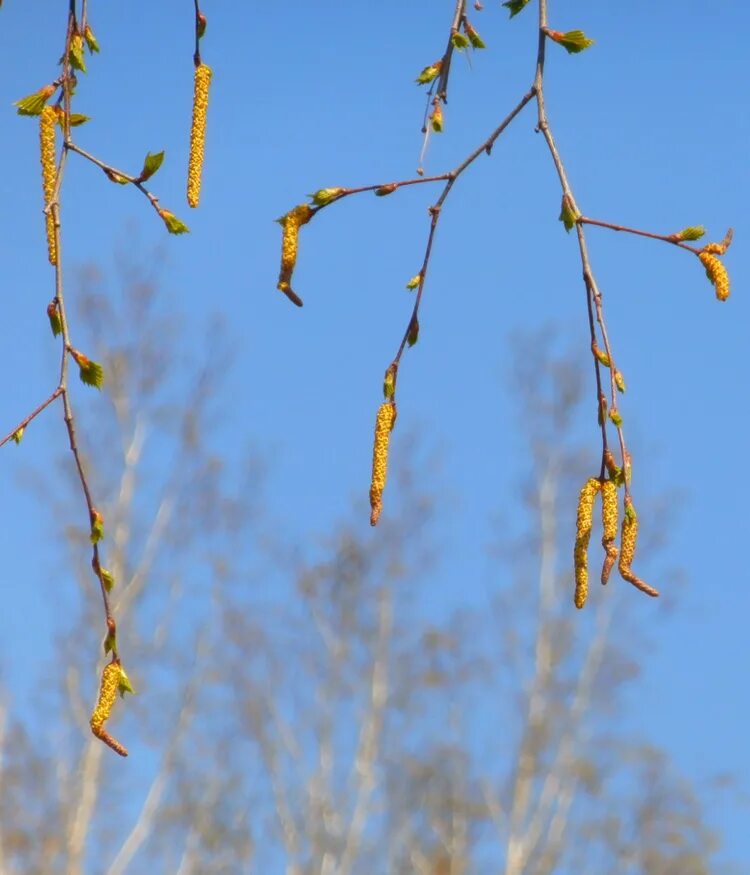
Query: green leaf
pixel 97 527
pixel 600 355
pixel 615 417
pixel 414 282
pixel 476 41
pixel 692 232
pixel 389 382
pixel 413 335
pixel 429 73
pixel 110 642
pixel 91 373
pixel 174 225
pixel 17 436
pixel 568 215
pixel 324 196
pixel 34 103
pixel 77 118
pixel 619 381
pixel 55 323
pixel 515 6
pixel 151 163
pixel 112 176
pixel 75 55
pixel 460 41
pixel 107 578
pixel 124 685
pixel 573 41
pixel 91 41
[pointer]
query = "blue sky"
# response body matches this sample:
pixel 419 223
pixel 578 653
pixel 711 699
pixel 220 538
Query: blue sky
pixel 653 125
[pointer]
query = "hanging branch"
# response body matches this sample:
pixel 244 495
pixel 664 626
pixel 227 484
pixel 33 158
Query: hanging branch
pixel 53 113
pixel 611 476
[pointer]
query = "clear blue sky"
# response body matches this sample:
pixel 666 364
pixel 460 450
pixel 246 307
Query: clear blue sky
pixel 654 127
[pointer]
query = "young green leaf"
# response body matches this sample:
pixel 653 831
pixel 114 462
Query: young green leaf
pixel 107 578
pixel 515 6
pixel 429 73
pixel 460 41
pixel 97 527
pixel 34 103
pixel 568 216
pixel 75 55
pixel 389 382
pixel 693 232
pixel 17 436
pixel 414 282
pixel 91 41
pixel 324 196
pixel 112 176
pixel 174 225
pixel 476 41
pixel 573 41
pixel 124 685
pixel 151 164
pixel 91 373
pixel 53 314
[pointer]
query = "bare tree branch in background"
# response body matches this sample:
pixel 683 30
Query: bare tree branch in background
pixel 303 707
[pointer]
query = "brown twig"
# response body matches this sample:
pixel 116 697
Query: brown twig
pixel 114 172
pixel 674 239
pixel 34 413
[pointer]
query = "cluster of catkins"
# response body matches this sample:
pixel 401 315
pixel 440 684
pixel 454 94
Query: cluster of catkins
pixel 606 487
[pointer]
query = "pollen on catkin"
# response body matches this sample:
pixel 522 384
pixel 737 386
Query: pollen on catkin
pixel 717 273
pixel 628 540
pixel 609 527
pixel 291 224
pixel 383 426
pixel 108 688
pixel 47 122
pixel 584 520
pixel 198 133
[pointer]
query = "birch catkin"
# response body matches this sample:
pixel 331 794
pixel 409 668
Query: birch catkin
pixel 47 122
pixel 609 527
pixel 628 540
pixel 716 272
pixel 584 520
pixel 198 133
pixel 291 224
pixel 108 688
pixel 383 427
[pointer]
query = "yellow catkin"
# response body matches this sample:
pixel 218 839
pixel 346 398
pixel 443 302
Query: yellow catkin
pixel 609 527
pixel 715 248
pixel 584 520
pixel 108 688
pixel 628 540
pixel 716 272
pixel 383 427
pixel 291 224
pixel 198 133
pixel 47 123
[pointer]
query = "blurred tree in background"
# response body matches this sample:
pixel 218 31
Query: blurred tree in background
pixel 310 712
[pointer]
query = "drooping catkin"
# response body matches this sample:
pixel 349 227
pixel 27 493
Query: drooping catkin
pixel 47 122
pixel 198 133
pixel 383 426
pixel 291 224
pixel 717 273
pixel 609 527
pixel 628 540
pixel 108 688
pixel 584 520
